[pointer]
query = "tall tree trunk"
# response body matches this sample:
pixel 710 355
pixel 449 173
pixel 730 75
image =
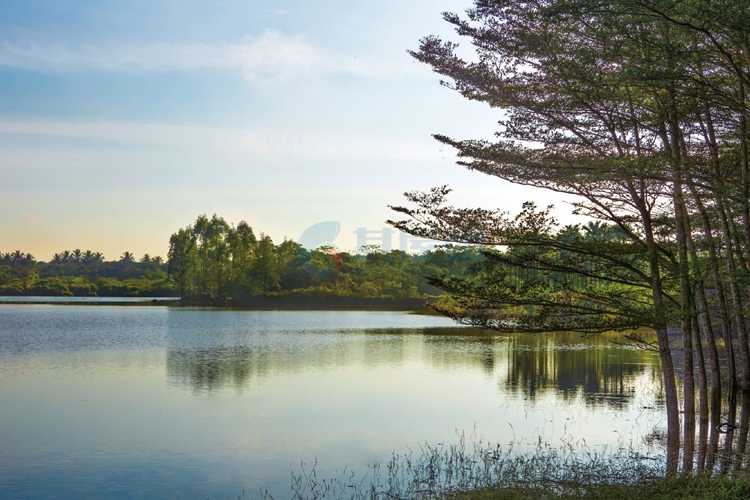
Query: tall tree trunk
pixel 737 312
pixel 713 254
pixel 745 173
pixel 742 430
pixel 665 352
pixel 715 435
pixel 673 145
pixel 703 395
pixel 700 372
pixel 704 324
pixel 686 313
pixel 671 399
pixel 718 283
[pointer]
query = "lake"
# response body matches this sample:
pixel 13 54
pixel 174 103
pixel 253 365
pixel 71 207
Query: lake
pixel 165 402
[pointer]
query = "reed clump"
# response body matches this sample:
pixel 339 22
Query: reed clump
pixel 484 471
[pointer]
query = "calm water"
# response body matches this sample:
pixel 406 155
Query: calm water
pixel 160 402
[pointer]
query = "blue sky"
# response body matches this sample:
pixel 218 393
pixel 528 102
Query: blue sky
pixel 122 121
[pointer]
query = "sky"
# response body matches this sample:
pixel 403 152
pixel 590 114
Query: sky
pixel 122 121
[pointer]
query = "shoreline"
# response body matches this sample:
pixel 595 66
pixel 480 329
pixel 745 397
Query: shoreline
pixel 258 303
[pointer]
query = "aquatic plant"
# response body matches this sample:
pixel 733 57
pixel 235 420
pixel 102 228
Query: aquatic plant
pixel 442 470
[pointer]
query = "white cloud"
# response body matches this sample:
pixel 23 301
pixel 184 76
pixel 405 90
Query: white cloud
pixel 269 55
pixel 238 142
pixel 272 54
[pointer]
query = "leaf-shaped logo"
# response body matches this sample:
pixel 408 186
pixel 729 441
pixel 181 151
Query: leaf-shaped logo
pixel 320 234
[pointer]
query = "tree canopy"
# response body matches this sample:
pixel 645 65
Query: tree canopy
pixel 637 109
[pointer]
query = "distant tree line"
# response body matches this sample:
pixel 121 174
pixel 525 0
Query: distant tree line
pixel 213 262
pixel 84 273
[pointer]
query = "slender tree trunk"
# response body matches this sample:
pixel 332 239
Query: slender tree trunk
pixel 742 430
pixel 718 283
pixel 671 399
pixel 745 172
pixel 729 244
pixel 704 325
pixel 739 252
pixel 700 372
pixel 730 426
pixel 673 145
pixel 713 253
pixel 665 351
pixel 686 300
pixel 703 395
pixel 702 446
pixel 715 435
pixel 739 317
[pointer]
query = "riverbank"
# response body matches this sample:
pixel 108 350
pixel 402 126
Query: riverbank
pixel 315 303
pixel 89 301
pixel 259 303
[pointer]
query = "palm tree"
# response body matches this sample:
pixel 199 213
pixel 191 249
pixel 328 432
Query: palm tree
pixel 146 259
pixel 66 257
pixel 158 260
pixel 127 257
pixel 88 257
pixel 57 258
pixel 77 255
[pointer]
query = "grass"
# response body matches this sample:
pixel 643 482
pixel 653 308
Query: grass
pixel 675 487
pixel 479 471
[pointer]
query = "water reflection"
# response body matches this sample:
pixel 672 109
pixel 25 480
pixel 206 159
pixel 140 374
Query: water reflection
pixel 600 368
pixel 249 392
pixel 207 370
pixel 210 369
pixel 603 369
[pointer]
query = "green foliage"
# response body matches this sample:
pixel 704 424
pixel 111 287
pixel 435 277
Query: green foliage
pixel 215 261
pixel 535 277
pixel 13 287
pixel 83 274
pixel 639 109
pixel 17 272
pixel 212 260
pixel 65 286
pixel 135 287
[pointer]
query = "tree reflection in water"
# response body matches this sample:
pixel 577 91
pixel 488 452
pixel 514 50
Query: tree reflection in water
pixel 597 371
pixel 599 367
pixel 526 365
pixel 213 368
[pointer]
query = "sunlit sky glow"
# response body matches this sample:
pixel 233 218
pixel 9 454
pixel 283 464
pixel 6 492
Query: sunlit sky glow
pixel 120 122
